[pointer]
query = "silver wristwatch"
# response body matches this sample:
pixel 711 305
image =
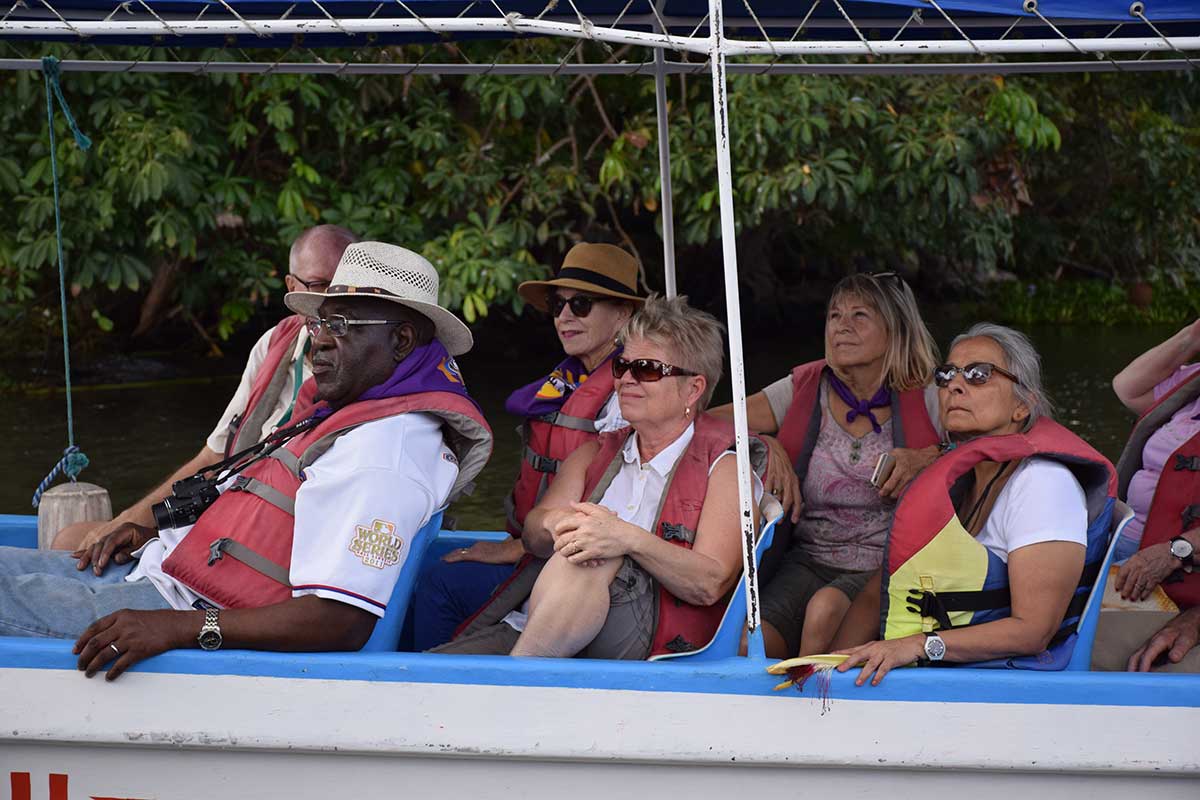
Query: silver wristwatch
pixel 935 647
pixel 1182 549
pixel 210 633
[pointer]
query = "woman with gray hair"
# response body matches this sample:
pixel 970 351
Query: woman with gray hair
pixel 637 542
pixel 989 544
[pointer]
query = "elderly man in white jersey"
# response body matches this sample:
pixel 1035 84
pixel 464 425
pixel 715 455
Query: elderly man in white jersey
pixel 275 386
pixel 297 546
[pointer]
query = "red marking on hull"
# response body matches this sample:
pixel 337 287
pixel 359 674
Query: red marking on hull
pixel 58 786
pixel 19 781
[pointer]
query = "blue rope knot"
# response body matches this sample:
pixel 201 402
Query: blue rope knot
pixel 53 73
pixel 71 464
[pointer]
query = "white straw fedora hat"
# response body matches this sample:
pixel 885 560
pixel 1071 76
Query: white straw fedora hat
pixel 388 272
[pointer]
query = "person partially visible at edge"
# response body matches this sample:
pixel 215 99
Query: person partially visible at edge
pixel 590 300
pixel 302 549
pixel 832 420
pixel 275 387
pixel 1159 477
pixel 637 542
pixel 995 546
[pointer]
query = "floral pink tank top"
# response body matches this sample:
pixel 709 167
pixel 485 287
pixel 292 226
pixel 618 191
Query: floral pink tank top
pixel 844 521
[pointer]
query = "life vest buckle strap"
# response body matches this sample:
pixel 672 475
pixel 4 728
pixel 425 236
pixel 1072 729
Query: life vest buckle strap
pixel 541 463
pixel 929 604
pixel 216 550
pixel 1189 463
pixel 1191 515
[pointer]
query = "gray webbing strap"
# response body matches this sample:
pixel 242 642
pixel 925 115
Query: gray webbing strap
pixel 288 459
pixel 540 463
pixel 574 423
pixel 268 493
pixel 256 562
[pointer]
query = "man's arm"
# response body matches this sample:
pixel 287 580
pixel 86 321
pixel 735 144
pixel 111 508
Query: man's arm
pixel 302 624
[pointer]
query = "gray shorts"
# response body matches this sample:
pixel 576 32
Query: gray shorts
pixel 786 597
pixel 626 634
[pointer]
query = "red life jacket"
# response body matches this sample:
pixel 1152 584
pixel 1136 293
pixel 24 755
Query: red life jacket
pixel 253 521
pixel 936 575
pixel 246 428
pixel 681 627
pixel 549 439
pixel 911 426
pixel 1176 504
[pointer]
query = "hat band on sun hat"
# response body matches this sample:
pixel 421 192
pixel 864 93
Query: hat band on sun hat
pixel 588 276
pixel 342 288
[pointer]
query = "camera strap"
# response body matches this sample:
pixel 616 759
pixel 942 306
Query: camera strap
pixel 236 463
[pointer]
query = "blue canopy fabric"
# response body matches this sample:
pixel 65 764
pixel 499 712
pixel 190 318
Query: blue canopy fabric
pixel 880 19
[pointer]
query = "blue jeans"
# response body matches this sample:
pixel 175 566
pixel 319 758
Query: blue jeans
pixel 42 594
pixel 450 593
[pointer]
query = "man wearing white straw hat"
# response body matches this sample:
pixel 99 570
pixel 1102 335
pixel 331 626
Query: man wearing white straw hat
pixel 298 545
pixel 590 299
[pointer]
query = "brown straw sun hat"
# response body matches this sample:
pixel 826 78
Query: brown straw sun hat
pixel 600 269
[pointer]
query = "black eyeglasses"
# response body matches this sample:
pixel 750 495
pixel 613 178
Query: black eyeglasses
pixel 338 325
pixel 581 304
pixel 318 285
pixel 647 370
pixel 975 374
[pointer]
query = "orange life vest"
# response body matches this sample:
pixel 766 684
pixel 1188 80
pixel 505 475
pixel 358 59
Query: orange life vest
pixel 911 426
pixel 936 575
pixel 1175 507
pixel 246 428
pixel 547 440
pixel 253 522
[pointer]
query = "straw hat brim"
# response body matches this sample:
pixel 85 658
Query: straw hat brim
pixel 536 292
pixel 451 331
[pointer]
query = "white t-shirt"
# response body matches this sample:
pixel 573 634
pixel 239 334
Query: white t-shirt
pixel 237 404
pixel 1042 502
pixel 610 418
pixel 637 489
pixel 357 511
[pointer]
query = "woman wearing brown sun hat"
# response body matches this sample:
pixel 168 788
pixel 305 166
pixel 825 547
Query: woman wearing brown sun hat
pixel 592 296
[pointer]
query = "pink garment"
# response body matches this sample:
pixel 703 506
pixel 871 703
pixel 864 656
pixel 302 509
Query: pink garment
pixel 844 522
pixel 1159 447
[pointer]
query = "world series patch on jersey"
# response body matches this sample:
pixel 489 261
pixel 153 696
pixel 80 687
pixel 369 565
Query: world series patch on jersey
pixel 377 546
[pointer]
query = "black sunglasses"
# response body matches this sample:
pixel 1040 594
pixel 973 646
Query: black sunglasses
pixel 975 374
pixel 581 304
pixel 647 370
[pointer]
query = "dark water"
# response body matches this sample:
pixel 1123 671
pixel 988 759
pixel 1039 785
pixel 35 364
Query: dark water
pixel 136 436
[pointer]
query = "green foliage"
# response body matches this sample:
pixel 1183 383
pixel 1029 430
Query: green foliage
pixel 198 183
pixel 1091 302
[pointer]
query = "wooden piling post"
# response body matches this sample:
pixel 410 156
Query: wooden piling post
pixel 69 503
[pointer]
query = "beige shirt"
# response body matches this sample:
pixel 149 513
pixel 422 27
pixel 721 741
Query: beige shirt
pixel 258 354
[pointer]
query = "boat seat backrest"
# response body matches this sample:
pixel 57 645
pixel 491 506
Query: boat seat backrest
pixel 386 636
pixel 1081 656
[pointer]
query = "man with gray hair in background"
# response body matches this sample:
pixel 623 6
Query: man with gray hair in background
pixel 275 386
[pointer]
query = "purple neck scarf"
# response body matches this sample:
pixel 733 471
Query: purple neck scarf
pixel 881 399
pixel 547 395
pixel 429 368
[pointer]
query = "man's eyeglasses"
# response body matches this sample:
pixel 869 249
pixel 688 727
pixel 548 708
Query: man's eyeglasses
pixel 338 325
pixel 975 374
pixel 318 285
pixel 581 304
pixel 647 370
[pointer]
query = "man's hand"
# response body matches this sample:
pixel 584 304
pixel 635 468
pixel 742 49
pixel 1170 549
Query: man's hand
pixel 909 462
pixel 100 531
pixel 781 479
pixel 117 547
pixel 127 637
pixel 593 533
pixel 1174 639
pixel 509 551
pixel 1144 570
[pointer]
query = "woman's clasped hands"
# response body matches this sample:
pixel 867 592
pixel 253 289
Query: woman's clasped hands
pixel 588 534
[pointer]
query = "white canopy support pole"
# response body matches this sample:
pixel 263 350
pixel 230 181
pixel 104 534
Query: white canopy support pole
pixel 746 506
pixel 664 171
pixel 667 206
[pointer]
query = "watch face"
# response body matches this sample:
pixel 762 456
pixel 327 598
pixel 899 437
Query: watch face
pixel 210 640
pixel 1181 548
pixel 935 648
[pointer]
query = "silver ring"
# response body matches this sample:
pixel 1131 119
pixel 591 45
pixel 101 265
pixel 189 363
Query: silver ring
pixel 114 647
pixel 464 550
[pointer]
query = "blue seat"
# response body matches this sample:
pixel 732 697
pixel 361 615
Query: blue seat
pixel 1081 656
pixel 386 636
pixel 726 640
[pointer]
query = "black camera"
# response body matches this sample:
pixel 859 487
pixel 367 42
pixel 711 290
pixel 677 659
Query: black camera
pixel 189 499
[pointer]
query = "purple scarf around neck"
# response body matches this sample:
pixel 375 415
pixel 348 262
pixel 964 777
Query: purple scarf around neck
pixel 547 395
pixel 881 399
pixel 429 368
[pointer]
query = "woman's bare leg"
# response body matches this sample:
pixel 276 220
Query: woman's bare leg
pixel 861 624
pixel 822 618
pixel 567 608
